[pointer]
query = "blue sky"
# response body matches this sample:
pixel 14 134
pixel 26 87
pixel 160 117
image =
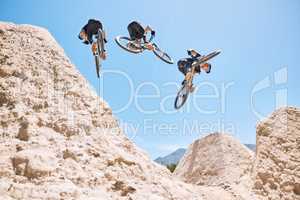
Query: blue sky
pixel 260 49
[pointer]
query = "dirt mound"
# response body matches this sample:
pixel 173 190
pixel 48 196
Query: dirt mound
pixel 218 160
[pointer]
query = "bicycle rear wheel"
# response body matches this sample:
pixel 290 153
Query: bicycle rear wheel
pixel 182 96
pixel 210 56
pixel 124 42
pixel 97 62
pixel 162 55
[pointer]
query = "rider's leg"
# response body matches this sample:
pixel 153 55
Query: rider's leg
pixel 188 71
pixel 103 53
pixel 93 40
pixel 94 48
pixel 137 42
pixel 206 67
pixel 182 69
pixel 90 37
pixel 198 69
pixel 188 76
pixel 104 36
pixel 148 44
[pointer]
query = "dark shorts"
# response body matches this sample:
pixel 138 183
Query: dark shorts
pixel 185 67
pixel 136 31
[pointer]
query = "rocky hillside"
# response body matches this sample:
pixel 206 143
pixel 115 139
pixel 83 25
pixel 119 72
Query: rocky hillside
pixel 59 140
pixel 277 164
pixel 218 160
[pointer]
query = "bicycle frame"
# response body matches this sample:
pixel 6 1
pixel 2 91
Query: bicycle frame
pixel 193 68
pixel 143 44
pixel 102 42
pixel 190 82
pixel 198 62
pixel 205 58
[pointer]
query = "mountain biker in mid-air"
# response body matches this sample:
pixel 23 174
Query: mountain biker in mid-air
pixel 90 30
pixel 185 65
pixel 137 33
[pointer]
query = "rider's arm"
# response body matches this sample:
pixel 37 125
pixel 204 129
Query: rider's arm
pixel 149 29
pixel 104 36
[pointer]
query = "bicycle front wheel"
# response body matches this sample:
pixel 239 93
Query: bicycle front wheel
pixel 182 96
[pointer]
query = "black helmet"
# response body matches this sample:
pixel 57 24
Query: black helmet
pixel 180 62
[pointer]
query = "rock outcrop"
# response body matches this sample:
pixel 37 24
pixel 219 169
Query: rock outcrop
pixel 218 160
pixel 59 140
pixel 277 164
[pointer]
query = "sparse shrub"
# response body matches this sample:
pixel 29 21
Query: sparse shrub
pixel 172 167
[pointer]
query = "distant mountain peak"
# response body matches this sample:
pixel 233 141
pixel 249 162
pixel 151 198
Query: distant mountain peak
pixel 172 158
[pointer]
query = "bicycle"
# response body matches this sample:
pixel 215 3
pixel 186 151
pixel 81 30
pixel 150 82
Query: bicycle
pixel 186 87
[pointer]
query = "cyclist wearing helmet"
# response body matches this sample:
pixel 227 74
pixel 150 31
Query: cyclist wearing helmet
pixel 185 64
pixel 137 32
pixel 88 31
